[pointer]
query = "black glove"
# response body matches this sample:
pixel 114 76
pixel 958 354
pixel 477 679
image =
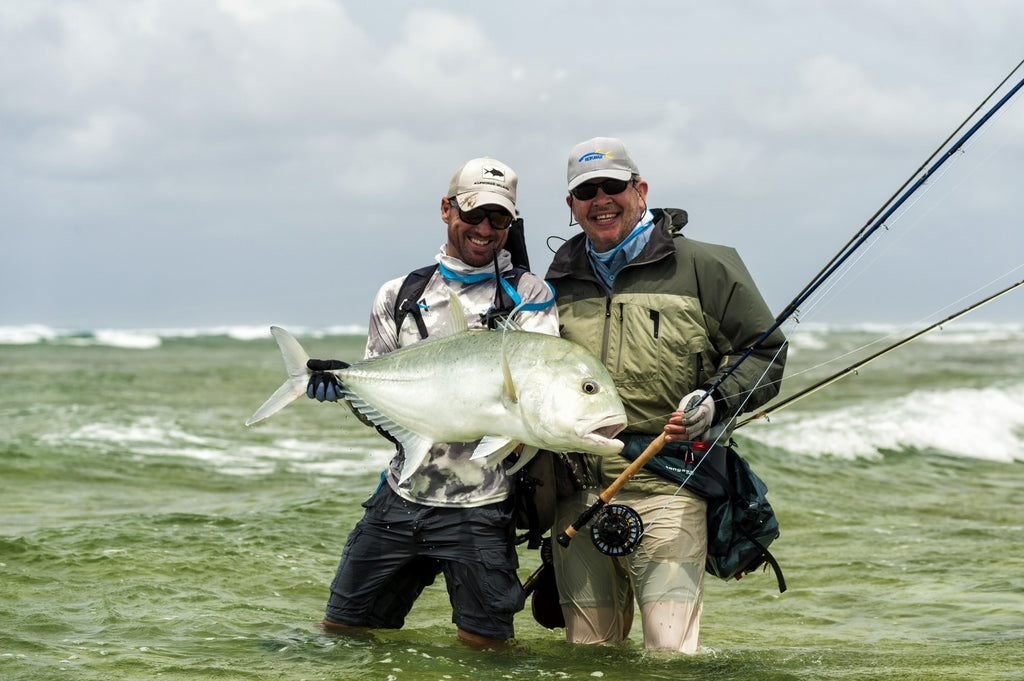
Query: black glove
pixel 323 385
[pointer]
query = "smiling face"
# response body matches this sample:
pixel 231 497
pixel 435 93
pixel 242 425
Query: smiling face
pixel 472 244
pixel 608 219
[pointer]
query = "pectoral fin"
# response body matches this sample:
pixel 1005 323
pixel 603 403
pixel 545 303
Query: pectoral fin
pixel 524 458
pixel 494 448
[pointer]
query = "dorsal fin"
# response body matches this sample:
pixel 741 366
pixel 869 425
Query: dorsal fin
pixel 510 387
pixel 457 316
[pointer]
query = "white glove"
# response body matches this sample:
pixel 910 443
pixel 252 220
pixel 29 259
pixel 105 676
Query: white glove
pixel 697 419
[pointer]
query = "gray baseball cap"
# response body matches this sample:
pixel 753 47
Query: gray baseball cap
pixel 598 158
pixel 482 182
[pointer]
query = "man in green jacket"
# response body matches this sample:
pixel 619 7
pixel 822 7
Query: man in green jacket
pixel 667 315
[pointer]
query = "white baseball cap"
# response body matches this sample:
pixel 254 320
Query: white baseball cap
pixel 484 181
pixel 598 158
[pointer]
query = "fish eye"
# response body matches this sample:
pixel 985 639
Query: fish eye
pixel 590 387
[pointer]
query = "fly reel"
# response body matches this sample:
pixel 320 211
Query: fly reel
pixel 617 530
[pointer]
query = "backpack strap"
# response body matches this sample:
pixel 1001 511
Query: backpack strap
pixel 411 291
pixel 506 299
pixel 409 294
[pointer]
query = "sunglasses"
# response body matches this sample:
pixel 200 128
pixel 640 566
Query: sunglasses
pixel 499 218
pixel 610 187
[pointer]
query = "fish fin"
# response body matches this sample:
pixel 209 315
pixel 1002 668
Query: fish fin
pixel 524 458
pixel 372 414
pixel 509 385
pixel 509 325
pixel 295 359
pixel 415 450
pixel 414 445
pixel 494 448
pixel 295 356
pixel 457 317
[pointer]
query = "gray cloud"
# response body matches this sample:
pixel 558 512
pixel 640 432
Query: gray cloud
pixel 207 163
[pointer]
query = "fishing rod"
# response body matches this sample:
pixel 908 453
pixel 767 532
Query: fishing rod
pixel 906 182
pixel 865 233
pixel 602 499
pixel 862 235
pixel 825 382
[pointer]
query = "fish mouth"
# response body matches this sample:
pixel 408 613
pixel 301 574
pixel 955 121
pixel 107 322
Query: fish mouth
pixel 601 435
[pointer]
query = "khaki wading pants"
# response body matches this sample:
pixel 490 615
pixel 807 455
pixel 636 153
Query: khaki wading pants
pixel 665 573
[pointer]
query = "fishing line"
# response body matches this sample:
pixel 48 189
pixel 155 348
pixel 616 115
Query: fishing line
pixel 866 229
pixel 842 281
pixel 896 332
pixel 764 413
pixel 908 230
pixel 902 235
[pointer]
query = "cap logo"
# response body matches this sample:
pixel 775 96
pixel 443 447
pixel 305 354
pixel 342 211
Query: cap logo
pixel 493 172
pixel 593 156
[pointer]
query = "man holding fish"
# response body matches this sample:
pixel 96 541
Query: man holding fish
pixel 668 316
pixel 439 508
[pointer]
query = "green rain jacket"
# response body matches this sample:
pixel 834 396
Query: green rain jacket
pixel 678 316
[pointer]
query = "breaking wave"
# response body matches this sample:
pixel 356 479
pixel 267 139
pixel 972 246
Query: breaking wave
pixel 143 339
pixel 986 423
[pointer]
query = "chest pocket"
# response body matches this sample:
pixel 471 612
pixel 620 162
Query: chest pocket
pixel 658 347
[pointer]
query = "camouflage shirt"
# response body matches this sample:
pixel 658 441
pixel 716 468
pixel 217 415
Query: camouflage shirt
pixel 447 477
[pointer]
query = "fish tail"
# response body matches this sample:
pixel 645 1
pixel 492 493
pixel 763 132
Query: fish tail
pixel 295 359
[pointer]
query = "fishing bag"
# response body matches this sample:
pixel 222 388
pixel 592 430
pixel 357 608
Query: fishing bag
pixel 741 523
pixel 537 488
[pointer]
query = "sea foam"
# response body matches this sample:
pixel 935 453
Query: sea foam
pixel 144 339
pixel 983 424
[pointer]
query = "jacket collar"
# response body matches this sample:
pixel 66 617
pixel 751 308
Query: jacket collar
pixel 571 258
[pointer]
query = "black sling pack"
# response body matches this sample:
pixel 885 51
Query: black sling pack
pixel 537 488
pixel 741 522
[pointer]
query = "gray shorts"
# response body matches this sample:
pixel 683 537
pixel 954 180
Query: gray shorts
pixel 399 547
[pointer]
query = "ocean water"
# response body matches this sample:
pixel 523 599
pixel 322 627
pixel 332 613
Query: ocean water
pixel 146 533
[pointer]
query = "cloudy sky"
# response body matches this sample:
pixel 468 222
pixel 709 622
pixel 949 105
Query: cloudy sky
pixel 169 163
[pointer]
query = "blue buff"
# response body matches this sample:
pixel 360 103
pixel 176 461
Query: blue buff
pixel 517 300
pixel 607 265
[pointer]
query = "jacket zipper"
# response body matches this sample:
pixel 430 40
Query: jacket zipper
pixel 620 349
pixel 607 327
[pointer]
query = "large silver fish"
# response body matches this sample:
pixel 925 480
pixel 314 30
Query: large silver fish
pixel 500 387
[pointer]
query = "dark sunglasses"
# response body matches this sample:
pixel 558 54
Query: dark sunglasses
pixel 610 187
pixel 499 218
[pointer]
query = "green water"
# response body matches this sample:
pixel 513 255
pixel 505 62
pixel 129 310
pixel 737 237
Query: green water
pixel 145 533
